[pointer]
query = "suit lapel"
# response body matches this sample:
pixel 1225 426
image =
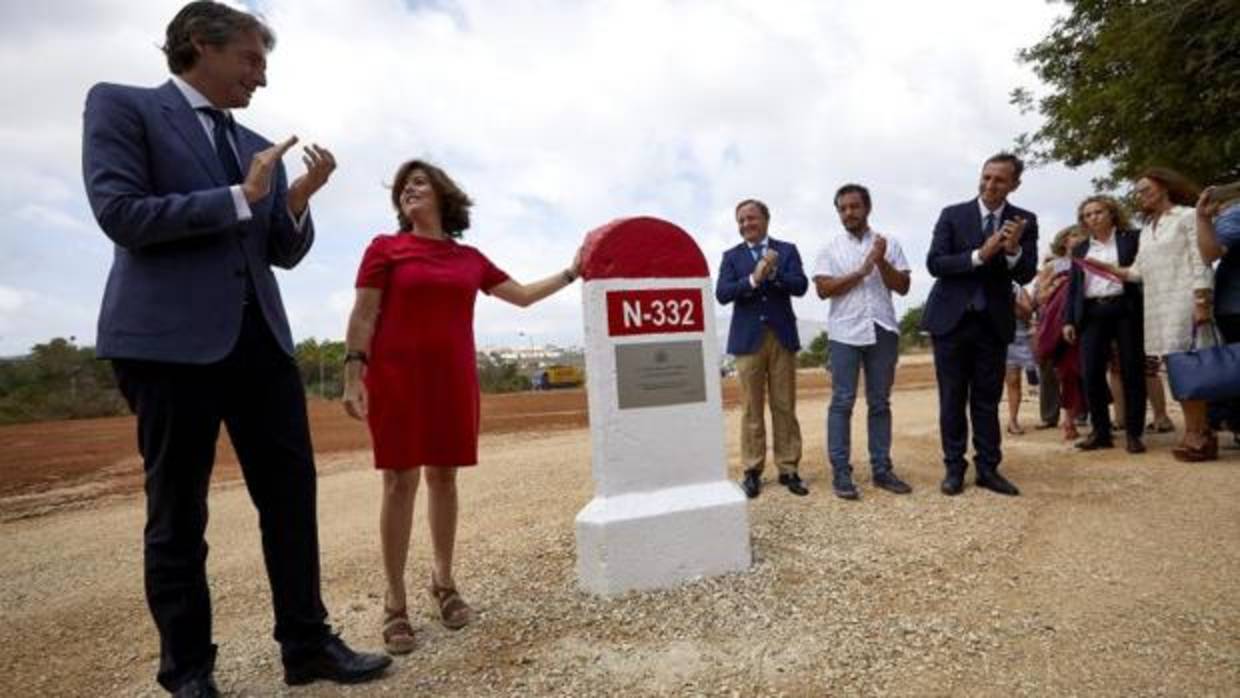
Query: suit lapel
pixel 185 122
pixel 974 225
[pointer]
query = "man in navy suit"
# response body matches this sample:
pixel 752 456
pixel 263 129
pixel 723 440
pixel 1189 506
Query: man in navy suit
pixel 761 275
pixel 199 211
pixel 979 248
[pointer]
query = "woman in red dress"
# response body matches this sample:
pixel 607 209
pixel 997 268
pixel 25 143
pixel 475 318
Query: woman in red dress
pixel 411 374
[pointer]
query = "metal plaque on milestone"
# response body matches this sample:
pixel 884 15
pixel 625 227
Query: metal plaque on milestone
pixel 660 373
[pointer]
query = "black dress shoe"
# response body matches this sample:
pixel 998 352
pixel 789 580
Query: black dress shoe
pixel 334 661
pixel 793 482
pixel 997 483
pixel 844 488
pixel 201 687
pixel 1134 445
pixel 752 484
pixel 953 484
pixel 891 483
pixel 1095 441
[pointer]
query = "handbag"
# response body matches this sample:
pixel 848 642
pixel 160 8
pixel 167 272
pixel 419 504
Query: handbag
pixel 1212 373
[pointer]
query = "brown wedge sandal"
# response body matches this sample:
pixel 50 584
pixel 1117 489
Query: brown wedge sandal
pixel 398 637
pixel 454 613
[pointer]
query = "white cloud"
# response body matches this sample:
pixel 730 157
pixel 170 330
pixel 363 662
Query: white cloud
pixel 557 117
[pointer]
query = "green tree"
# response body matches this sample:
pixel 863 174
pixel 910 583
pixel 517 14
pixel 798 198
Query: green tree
pixel 816 353
pixel 1139 83
pixel 495 375
pixel 321 363
pixel 57 380
pixel 910 328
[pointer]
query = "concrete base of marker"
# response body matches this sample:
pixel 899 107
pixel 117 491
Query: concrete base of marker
pixel 658 539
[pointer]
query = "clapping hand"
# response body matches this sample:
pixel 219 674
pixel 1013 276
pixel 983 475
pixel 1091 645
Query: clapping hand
pixel 1012 232
pixel 320 163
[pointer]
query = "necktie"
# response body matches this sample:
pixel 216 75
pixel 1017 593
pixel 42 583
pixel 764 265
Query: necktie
pixel 228 159
pixel 978 299
pixel 758 250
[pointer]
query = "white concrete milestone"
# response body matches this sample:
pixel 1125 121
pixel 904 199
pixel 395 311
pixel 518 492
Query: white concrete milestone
pixel 664 511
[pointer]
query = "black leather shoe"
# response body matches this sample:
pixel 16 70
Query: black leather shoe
pixel 844 488
pixel 752 484
pixel 997 483
pixel 793 482
pixel 891 483
pixel 1095 441
pixel 334 661
pixel 952 485
pixel 1134 445
pixel 202 687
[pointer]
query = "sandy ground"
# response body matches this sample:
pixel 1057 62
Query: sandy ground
pixel 1112 575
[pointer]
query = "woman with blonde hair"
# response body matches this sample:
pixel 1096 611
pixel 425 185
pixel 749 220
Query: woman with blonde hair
pixel 1104 311
pixel 1050 297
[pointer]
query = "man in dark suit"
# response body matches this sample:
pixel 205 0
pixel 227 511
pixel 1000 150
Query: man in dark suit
pixel 194 325
pixel 979 248
pixel 761 275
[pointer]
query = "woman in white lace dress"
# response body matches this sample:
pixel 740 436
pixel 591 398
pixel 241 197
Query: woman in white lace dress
pixel 1177 287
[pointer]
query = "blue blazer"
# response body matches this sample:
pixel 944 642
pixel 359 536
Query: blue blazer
pixel 956 235
pixel 770 304
pixel 157 189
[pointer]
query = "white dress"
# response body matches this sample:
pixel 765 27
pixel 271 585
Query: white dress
pixel 1170 269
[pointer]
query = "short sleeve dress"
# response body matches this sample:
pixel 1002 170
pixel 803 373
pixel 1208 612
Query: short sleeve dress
pixel 422 376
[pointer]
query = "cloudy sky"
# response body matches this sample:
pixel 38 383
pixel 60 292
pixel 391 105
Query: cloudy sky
pixel 556 116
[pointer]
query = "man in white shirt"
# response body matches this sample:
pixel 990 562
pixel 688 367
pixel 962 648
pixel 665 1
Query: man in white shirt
pixel 858 270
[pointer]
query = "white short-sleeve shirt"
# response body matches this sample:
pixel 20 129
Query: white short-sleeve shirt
pixel 852 316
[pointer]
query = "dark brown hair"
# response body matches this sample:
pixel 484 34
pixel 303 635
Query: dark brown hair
pixel 452 201
pixel 1018 165
pixel 1180 189
pixel 853 189
pixel 212 23
pixel 1119 217
pixel 766 212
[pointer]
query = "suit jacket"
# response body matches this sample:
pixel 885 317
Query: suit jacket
pixel 156 186
pixel 957 234
pixel 1126 245
pixel 770 304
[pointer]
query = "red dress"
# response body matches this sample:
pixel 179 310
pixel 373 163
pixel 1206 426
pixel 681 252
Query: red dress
pixel 422 378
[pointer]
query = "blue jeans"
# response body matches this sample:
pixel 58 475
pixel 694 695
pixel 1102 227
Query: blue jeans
pixel 879 362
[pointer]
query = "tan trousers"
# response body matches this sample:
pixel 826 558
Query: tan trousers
pixel 771 369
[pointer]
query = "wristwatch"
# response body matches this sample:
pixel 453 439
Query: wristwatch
pixel 357 356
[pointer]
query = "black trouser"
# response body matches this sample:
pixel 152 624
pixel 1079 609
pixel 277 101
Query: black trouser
pixel 1048 392
pixel 1108 320
pixel 256 392
pixel 969 364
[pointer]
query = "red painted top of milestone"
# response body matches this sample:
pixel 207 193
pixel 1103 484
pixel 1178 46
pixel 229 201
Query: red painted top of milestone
pixel 641 248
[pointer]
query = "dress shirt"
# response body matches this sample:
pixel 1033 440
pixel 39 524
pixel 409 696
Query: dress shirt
pixel 197 102
pixel 1096 285
pixel 852 315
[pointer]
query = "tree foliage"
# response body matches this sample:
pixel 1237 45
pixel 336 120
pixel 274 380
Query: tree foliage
pixel 1140 83
pixel 495 375
pixel 57 380
pixel 910 328
pixel 816 353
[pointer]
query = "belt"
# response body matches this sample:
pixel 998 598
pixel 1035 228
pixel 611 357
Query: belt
pixel 1105 299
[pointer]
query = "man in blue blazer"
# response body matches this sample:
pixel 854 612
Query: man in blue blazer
pixel 979 248
pixel 199 211
pixel 761 275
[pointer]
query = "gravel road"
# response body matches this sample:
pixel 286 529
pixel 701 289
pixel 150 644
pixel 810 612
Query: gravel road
pixel 1112 575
